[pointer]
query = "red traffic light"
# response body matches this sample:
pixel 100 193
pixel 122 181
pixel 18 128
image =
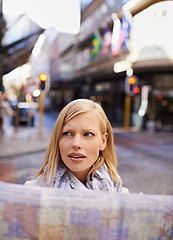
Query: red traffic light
pixel 136 90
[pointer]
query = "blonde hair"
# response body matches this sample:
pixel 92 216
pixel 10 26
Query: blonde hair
pixel 107 156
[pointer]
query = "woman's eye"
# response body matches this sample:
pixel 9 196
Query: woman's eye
pixel 88 134
pixel 67 134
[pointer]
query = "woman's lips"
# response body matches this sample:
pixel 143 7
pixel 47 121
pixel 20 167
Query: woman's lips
pixel 76 157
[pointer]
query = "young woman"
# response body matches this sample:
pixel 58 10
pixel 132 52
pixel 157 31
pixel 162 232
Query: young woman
pixel 81 152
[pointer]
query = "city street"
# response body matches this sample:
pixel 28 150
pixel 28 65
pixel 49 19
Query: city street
pixel 145 160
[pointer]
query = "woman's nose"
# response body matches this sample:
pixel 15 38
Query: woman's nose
pixel 77 142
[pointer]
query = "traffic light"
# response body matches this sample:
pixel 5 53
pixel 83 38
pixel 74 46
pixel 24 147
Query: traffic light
pixel 131 85
pixel 43 78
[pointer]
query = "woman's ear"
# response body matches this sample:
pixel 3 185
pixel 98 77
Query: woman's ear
pixel 103 142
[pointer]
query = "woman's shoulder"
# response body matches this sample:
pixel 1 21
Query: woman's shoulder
pixel 40 181
pixel 120 187
pixel 125 190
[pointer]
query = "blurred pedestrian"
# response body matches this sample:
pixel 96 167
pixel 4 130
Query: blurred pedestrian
pixel 81 152
pixel 5 111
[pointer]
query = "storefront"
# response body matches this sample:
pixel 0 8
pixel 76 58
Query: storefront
pixel 151 58
pixel 153 62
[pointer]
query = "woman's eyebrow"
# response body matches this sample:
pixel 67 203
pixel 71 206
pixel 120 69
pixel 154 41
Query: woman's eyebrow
pixel 91 129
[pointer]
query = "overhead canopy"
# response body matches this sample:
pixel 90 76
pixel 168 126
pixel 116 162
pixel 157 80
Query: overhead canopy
pixel 18 39
pixel 22 24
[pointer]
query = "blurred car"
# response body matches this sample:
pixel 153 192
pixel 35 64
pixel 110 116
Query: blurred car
pixel 24 113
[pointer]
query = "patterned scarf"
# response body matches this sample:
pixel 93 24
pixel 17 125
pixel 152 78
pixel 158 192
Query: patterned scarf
pixel 101 181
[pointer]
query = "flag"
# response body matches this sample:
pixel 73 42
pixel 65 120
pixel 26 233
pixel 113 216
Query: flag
pixel 107 36
pixel 115 41
pixel 96 45
pixel 126 26
pixel 121 32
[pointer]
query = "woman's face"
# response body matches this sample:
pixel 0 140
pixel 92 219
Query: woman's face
pixel 80 143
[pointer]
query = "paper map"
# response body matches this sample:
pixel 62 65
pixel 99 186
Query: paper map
pixel 48 214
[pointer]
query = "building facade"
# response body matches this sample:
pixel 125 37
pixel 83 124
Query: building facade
pixel 86 69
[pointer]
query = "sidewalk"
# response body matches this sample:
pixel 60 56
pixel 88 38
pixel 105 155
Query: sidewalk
pixel 142 137
pixel 22 141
